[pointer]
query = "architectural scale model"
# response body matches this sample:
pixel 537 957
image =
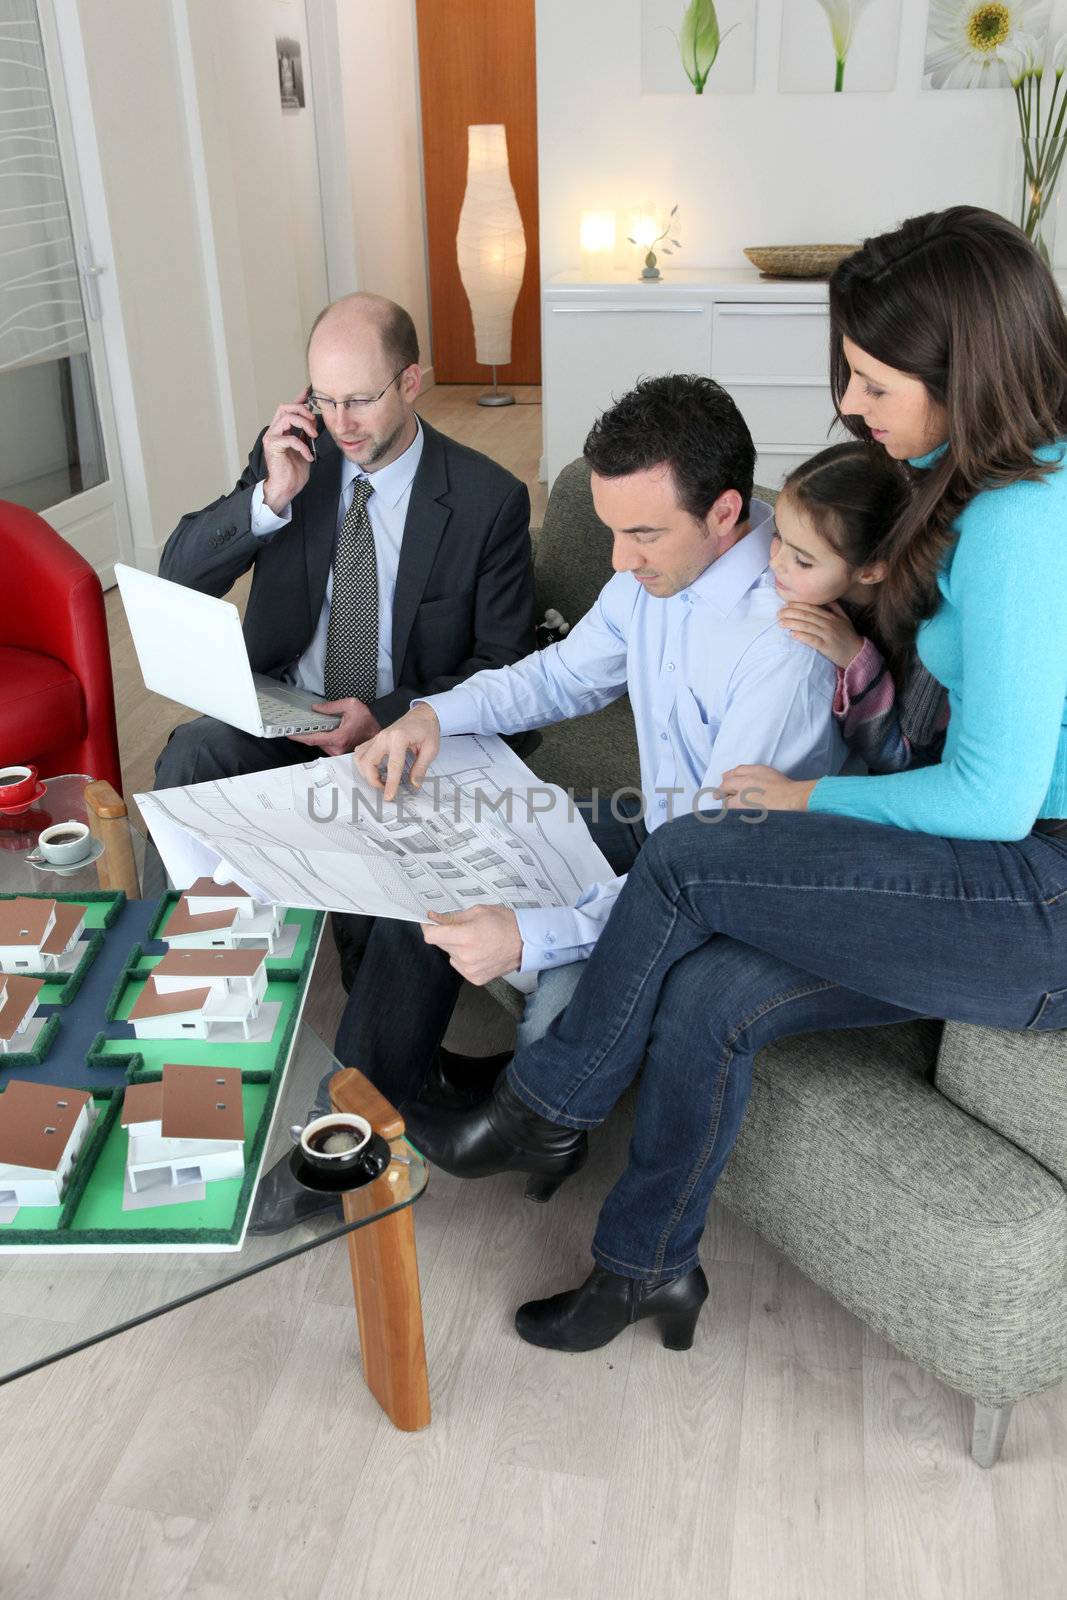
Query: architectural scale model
pixel 196 994
pixel 39 935
pixel 186 1128
pixel 42 1128
pixel 140 1139
pixel 221 916
pixel 18 1006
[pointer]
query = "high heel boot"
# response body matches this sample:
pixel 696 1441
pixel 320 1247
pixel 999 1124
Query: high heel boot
pixel 591 1316
pixel 500 1135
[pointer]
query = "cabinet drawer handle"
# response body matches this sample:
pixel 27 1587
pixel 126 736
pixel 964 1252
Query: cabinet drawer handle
pixel 800 309
pixel 614 311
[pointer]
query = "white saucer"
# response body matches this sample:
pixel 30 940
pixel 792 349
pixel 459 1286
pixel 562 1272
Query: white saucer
pixel 41 865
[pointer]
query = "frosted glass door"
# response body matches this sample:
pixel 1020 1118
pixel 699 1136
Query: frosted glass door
pixel 53 442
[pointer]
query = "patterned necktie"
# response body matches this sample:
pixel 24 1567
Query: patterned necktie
pixel 352 633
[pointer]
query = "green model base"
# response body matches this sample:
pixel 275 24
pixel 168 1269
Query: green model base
pixel 92 1211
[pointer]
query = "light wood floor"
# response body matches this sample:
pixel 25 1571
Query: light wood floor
pixel 230 1450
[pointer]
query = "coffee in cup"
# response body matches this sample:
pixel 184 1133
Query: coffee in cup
pixel 336 1141
pixel 18 785
pixel 65 843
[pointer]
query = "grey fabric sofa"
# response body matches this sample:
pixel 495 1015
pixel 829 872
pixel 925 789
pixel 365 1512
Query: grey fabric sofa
pixel 917 1172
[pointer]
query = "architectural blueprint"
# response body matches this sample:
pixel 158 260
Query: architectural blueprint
pixel 481 831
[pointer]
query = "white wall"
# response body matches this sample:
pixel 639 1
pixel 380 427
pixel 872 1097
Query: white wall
pixel 262 184
pixel 379 56
pixel 134 84
pixel 762 168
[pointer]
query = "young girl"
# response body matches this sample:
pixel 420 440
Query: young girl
pixel 832 516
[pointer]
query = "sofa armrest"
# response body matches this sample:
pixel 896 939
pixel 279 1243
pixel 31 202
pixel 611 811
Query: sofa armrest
pixel 1015 1083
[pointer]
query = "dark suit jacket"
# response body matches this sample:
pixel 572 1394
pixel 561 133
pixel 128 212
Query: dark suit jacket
pixel 464 586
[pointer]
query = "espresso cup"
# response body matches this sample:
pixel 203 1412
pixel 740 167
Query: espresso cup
pixel 18 785
pixel 341 1127
pixel 64 843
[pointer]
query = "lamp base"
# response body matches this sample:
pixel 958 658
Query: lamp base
pixel 495 396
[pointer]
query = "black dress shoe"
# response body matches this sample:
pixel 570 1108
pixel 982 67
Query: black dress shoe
pixel 500 1135
pixel 458 1082
pixel 281 1202
pixel 592 1315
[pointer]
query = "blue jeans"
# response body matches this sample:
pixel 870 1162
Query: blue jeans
pixel 405 989
pixel 729 935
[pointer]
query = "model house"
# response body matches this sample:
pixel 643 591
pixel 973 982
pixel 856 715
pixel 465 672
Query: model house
pixel 221 916
pixel 187 1128
pixel 196 993
pixel 18 1004
pixel 42 1128
pixel 39 935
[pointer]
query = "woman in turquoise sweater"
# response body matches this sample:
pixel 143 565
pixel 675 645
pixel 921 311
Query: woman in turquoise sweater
pixel 856 900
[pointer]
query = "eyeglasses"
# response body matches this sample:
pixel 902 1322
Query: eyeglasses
pixel 321 404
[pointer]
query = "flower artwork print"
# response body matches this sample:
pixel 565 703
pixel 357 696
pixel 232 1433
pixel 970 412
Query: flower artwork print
pixel 1004 44
pixel 839 46
pixel 698 47
pixel 972 44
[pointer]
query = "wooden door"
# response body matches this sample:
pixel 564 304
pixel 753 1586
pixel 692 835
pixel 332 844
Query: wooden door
pixel 477 64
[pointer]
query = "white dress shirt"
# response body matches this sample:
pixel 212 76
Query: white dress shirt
pixel 713 682
pixel 388 510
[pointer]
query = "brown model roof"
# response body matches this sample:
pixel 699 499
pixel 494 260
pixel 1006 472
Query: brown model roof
pixel 68 917
pixel 209 964
pixel 17 994
pixel 202 1102
pixel 207 886
pixel 24 921
pixel 150 1003
pixel 142 1102
pixel 189 1102
pixel 36 1122
pixel 182 920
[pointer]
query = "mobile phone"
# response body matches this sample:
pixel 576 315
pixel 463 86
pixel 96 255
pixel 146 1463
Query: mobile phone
pixel 308 438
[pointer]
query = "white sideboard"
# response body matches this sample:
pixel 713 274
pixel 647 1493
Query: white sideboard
pixel 766 341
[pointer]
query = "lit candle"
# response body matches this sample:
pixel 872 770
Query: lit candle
pixel 597 240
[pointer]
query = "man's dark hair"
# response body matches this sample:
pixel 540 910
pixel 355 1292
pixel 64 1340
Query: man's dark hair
pixel 399 339
pixel 687 423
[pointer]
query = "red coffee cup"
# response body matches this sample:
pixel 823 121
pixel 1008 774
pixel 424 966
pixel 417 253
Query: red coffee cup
pixel 18 785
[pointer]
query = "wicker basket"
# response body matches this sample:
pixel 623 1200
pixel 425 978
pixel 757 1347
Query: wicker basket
pixel 799 260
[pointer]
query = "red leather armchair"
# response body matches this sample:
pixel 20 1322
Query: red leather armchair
pixel 57 705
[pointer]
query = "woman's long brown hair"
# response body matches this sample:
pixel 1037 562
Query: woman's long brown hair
pixel 961 300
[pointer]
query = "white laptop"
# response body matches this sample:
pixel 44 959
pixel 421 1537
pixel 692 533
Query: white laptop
pixel 191 649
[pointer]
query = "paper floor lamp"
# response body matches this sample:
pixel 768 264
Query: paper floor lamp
pixel 491 249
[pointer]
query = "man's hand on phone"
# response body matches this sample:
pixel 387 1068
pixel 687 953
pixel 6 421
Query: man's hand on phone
pixel 287 456
pixel 358 723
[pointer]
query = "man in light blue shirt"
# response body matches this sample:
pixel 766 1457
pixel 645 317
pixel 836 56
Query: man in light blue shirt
pixel 687 626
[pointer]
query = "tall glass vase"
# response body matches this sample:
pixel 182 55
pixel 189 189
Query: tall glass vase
pixel 1037 193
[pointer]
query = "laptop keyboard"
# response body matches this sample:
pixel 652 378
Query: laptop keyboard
pixel 281 714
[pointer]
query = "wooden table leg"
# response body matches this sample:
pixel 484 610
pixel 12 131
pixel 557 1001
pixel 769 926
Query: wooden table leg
pixel 385 1273
pixel 108 822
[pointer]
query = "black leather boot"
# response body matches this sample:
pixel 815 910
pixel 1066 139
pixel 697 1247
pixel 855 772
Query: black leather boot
pixel 500 1135
pixel 459 1082
pixel 592 1315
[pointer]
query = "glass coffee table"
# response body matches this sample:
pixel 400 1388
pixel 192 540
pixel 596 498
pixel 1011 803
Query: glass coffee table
pixel 43 1319
pixel 122 857
pixel 55 1302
